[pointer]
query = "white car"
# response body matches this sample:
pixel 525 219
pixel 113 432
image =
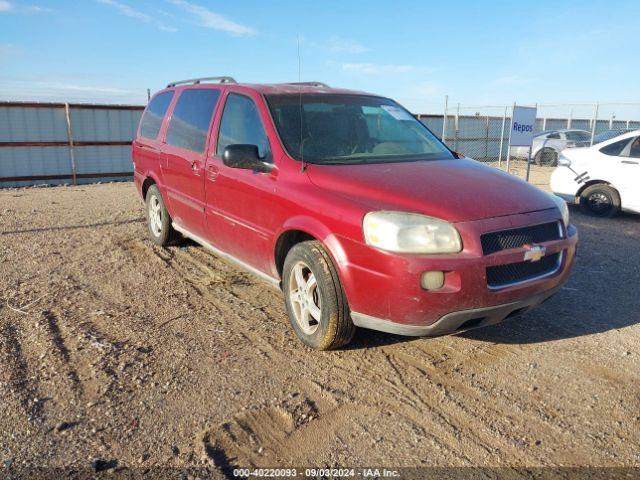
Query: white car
pixel 603 178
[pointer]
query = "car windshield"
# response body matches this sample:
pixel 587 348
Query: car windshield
pixel 332 129
pixel 578 136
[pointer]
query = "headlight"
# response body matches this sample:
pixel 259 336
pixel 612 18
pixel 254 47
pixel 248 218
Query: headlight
pixel 564 161
pixel 562 206
pixel 410 233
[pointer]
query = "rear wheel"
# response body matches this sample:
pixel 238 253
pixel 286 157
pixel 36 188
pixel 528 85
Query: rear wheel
pixel 547 157
pixel 600 200
pixel 158 220
pixel 315 301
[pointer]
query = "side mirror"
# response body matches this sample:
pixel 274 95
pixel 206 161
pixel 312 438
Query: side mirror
pixel 246 157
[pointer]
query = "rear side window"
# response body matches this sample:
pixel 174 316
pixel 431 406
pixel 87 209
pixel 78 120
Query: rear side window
pixel 153 115
pixel 241 124
pixel 578 136
pixel 191 118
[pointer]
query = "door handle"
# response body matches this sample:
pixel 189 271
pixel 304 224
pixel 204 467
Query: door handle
pixel 212 173
pixel 629 162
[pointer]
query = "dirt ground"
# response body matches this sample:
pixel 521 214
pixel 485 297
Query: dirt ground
pixel 118 355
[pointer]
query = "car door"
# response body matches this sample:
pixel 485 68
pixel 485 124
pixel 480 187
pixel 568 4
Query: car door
pixel 184 154
pixel 240 216
pixel 623 169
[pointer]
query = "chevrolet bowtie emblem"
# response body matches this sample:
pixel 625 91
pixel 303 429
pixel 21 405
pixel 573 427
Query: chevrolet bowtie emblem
pixel 533 253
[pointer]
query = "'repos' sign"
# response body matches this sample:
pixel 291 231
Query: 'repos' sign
pixel 523 123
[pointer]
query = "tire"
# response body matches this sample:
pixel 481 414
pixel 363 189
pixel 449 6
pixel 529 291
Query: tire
pixel 321 294
pixel 158 220
pixel 546 157
pixel 600 200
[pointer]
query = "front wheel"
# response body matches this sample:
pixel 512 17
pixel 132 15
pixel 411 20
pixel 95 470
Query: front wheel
pixel 600 200
pixel 546 157
pixel 316 304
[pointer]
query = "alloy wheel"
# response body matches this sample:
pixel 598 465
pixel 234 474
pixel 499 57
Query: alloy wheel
pixel 305 298
pixel 599 202
pixel 155 215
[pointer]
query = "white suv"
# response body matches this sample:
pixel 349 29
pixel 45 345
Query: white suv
pixel 603 178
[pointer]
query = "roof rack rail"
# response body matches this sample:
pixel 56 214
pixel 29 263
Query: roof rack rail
pixel 196 81
pixel 311 84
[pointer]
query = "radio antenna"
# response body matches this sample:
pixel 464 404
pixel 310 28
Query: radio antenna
pixel 302 164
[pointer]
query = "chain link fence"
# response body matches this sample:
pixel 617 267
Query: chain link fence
pixel 482 132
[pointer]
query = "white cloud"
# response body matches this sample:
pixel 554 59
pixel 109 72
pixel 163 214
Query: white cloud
pixel 209 19
pixel 130 12
pixel 377 69
pixel 335 44
pixel 6 6
pixel 345 45
pixel 20 89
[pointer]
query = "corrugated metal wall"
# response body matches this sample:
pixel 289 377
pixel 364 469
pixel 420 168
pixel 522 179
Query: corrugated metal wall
pixel 37 143
pixel 35 146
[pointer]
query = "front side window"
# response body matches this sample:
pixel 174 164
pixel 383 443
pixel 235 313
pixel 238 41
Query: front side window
pixel 634 148
pixel 241 124
pixel 325 128
pixel 191 119
pixel 553 136
pixel 152 119
pixel 621 148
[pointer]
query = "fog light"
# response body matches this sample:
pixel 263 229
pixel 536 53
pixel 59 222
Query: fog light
pixel 432 280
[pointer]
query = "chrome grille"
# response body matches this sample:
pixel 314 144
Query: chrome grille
pixel 518 237
pixel 499 276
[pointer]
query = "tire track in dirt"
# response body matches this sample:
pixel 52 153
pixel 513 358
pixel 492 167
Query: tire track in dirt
pixel 25 389
pixel 469 401
pixel 62 351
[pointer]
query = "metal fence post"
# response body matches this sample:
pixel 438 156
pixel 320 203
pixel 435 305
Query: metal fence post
pixel 444 119
pixel 72 156
pixel 529 156
pixel 570 119
pixel 486 141
pixel 457 125
pixel 509 147
pixel 595 120
pixel 504 121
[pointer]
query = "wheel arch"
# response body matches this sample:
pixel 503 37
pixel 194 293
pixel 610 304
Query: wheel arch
pixel 300 229
pixel 148 181
pixel 591 183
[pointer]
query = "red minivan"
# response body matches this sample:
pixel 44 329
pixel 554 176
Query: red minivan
pixel 350 206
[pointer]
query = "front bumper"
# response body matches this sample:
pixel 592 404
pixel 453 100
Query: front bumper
pixel 566 183
pixel 384 291
pixel 456 321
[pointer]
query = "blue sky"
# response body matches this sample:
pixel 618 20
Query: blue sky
pixel 417 52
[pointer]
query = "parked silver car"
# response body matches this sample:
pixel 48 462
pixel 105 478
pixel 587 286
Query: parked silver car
pixel 547 145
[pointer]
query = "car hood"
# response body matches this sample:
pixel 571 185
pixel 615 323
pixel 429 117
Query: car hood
pixel 579 153
pixel 453 190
